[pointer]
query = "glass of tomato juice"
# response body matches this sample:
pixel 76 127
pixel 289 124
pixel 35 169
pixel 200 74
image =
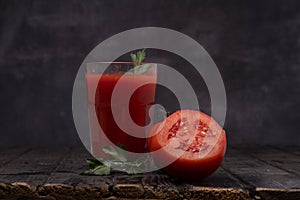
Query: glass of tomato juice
pixel 101 81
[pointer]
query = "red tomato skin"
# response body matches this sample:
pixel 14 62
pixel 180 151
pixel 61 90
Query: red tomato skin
pixel 186 168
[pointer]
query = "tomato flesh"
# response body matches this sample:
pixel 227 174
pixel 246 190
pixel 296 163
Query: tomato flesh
pixel 194 140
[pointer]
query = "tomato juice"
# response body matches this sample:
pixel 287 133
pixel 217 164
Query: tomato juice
pixel 99 91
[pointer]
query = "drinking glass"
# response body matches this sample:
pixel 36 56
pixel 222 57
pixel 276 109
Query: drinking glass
pixel 119 97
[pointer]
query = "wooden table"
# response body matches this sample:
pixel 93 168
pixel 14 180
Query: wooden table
pixel 53 173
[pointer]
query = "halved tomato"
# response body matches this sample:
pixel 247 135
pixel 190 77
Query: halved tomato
pixel 192 144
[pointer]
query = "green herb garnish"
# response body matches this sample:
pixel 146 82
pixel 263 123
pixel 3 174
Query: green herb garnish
pixel 97 168
pixel 137 60
pixel 117 161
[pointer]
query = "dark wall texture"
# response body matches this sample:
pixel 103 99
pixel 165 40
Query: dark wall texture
pixel 255 44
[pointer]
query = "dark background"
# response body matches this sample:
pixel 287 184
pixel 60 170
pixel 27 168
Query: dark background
pixel 255 44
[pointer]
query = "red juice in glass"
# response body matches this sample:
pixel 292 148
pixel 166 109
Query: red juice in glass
pixel 100 87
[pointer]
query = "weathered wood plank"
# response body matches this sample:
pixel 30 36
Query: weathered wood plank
pixel 219 185
pixel 257 173
pixel 280 158
pixel 196 192
pixel 75 161
pixel 278 194
pixel 16 190
pixel 21 176
pixel 9 154
pixel 150 185
pixel 160 186
pixel 40 160
pixel 128 190
pixel 21 186
pixel 220 179
pixel 291 149
pixel 66 181
pixel 264 173
pixel 33 180
pixel 66 185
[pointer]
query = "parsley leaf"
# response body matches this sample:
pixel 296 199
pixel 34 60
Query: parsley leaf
pixel 137 60
pixel 117 154
pixel 117 161
pixel 98 170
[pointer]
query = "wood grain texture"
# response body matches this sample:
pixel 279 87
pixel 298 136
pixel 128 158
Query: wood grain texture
pixel 278 194
pixel 85 187
pixel 33 180
pixel 281 158
pixel 220 178
pixel 196 192
pixel 74 161
pixel 9 154
pixel 39 160
pixel 246 173
pixel 155 185
pixel 258 173
pixel 16 190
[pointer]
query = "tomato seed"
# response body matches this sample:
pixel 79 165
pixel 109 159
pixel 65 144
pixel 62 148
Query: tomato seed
pixel 203 133
pixel 211 133
pixel 201 125
pixel 171 135
pixel 193 149
pixel 185 131
pixel 179 130
pixel 183 124
pixel 175 127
